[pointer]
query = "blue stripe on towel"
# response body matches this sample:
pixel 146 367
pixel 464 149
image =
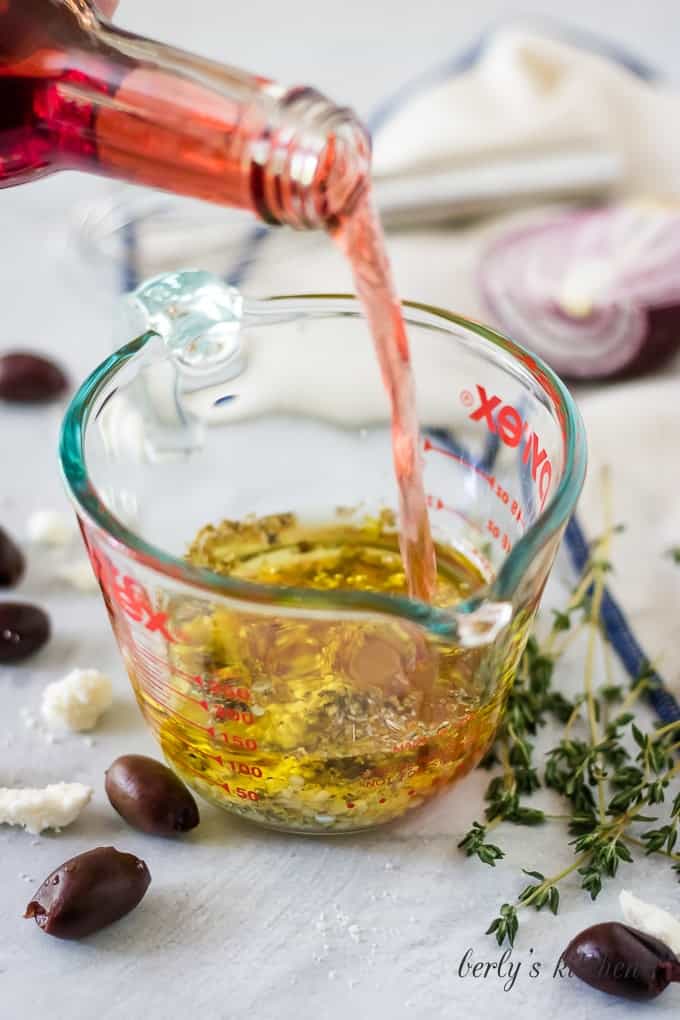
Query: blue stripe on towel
pixel 619 633
pixel 616 627
pixel 249 253
pixel 129 274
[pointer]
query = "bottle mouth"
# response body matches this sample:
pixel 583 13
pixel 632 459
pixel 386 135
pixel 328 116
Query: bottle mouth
pixel 311 168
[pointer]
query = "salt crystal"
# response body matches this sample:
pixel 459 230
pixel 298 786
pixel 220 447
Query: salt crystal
pixel 332 974
pixel 354 932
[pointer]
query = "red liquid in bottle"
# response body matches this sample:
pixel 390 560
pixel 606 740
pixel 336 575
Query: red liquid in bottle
pixel 77 93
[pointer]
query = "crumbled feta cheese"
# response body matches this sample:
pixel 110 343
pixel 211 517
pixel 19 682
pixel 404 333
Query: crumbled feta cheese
pixel 53 807
pixel 49 527
pixel 77 701
pixel 651 920
pixel 79 575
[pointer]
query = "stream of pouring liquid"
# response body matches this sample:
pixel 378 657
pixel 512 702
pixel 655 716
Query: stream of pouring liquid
pixel 360 237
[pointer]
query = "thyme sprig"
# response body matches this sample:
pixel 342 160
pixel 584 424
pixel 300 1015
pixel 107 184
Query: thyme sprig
pixel 612 774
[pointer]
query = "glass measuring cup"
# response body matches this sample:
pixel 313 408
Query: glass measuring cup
pixel 305 709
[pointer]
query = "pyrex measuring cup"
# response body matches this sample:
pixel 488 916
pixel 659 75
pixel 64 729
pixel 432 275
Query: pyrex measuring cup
pixel 304 709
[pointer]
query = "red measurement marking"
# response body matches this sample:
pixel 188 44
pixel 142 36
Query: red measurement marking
pixel 213 757
pixel 350 804
pixel 499 536
pixel 163 684
pixel 159 660
pixel 174 670
pixel 506 422
pixel 429 445
pixel 498 490
pixel 411 793
pixel 201 775
pixel 129 595
pixel 243 769
pixel 241 792
pixel 217 687
pixel 234 740
pixel 381 801
pixel 235 715
pixel 228 691
pixel 149 688
pixel 439 504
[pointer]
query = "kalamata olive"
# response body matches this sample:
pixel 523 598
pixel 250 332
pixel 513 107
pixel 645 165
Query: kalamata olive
pixel 12 563
pixel 24 629
pixel 89 892
pixel 150 797
pixel 622 961
pixel 27 378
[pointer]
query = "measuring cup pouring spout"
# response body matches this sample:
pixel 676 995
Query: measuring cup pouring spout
pixel 483 625
pixel 206 451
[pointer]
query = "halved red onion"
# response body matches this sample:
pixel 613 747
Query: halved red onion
pixel 596 293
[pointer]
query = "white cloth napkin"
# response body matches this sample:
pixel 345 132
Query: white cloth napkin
pixel 529 94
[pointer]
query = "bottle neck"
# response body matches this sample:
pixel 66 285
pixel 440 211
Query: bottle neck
pixel 117 104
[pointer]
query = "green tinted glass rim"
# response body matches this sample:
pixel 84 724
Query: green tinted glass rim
pixel 548 523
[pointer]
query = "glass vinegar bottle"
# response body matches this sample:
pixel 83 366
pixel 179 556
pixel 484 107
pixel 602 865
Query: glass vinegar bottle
pixel 79 93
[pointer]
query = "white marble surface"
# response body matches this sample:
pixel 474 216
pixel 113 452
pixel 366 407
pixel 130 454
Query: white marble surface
pixel 237 921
